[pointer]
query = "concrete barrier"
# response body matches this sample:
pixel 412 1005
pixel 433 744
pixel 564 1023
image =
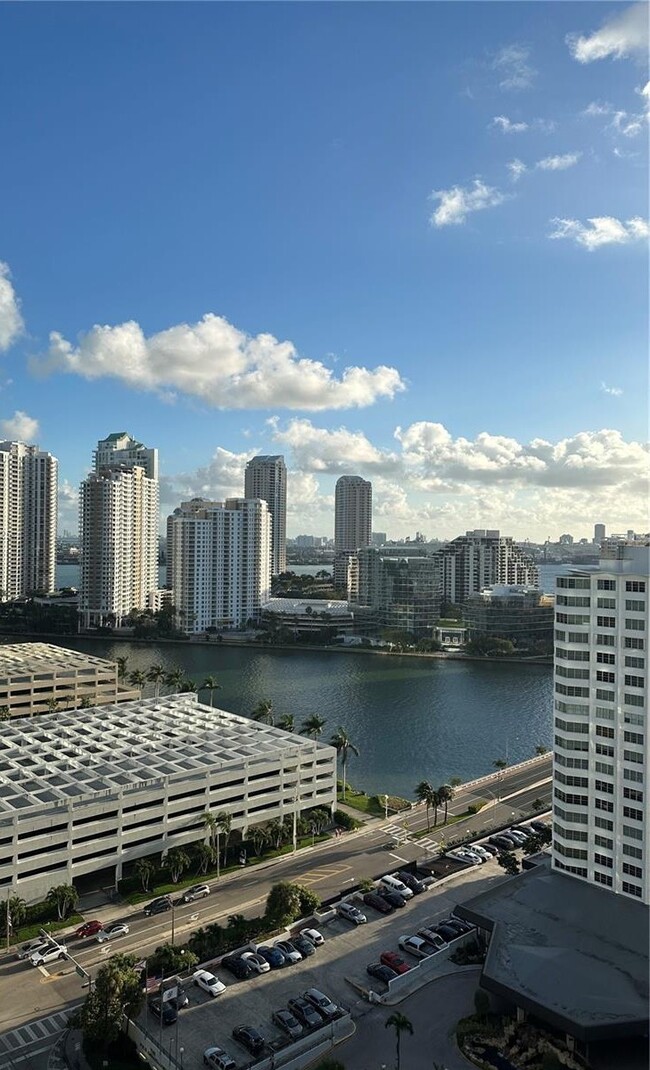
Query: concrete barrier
pixel 426 970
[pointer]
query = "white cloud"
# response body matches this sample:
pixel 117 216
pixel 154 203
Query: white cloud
pixel 214 361
pixel 624 123
pixel 624 35
pixel 19 428
pixel 317 449
pixel 601 230
pixel 506 126
pixel 222 477
pixel 68 506
pixel 559 163
pixel 511 63
pixel 614 391
pixel 11 321
pixel 517 169
pixel 457 203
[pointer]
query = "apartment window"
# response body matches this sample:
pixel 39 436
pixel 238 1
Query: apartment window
pixel 631 811
pixel 635 681
pixel 571 655
pixel 604 823
pixel 604 841
pixel 581 602
pixel 633 871
pixel 571 673
pixel 574 583
pixel 604 713
pixel 632 662
pixel 635 624
pixel 606 622
pixel 636 605
pixel 604 767
pixel 572 618
pixel 571 691
pixel 606 640
pixel 606 585
pixel 606 677
pixel 572 800
pixel 606 805
pixel 604 860
pixel 632 833
pixel 602 785
pixel 603 748
pixel 571 852
pixel 637 586
pixel 631 889
pixel 572 816
pixel 632 852
pixel 603 878
pixel 634 700
pixel 572 781
pixel 571 744
pixel 634 737
pixel 578 637
pixel 606 603
pixel 634 794
pixel 634 643
pixel 633 775
pixel 560 636
pixel 575 726
pixel 604 696
pixel 633 756
pixel 571 834
pixel 605 659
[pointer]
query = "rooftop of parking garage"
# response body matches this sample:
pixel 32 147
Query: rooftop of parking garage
pixel 569 952
pixel 29 659
pixel 67 756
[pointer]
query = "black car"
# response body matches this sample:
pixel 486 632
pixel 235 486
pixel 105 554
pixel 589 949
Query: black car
pixel 304 1012
pixel 490 848
pixel 394 898
pixel 504 843
pixel 458 926
pixel 303 945
pixel 168 1010
pixel 446 932
pixel 249 1038
pixel 411 882
pixel 377 902
pixel 158 906
pixel 288 1023
pixel 236 966
pixel 381 972
pixel 540 826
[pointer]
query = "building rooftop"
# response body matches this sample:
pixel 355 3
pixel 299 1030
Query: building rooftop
pixel 28 658
pixel 56 758
pixel 570 952
pixel 302 605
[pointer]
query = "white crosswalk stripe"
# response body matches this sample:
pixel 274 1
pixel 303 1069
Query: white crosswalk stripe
pixel 24 1035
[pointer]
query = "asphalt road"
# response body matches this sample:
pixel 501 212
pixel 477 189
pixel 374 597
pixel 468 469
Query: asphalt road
pixel 31 995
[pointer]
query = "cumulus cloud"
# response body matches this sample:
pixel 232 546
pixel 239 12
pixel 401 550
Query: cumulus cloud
pixel 517 169
pixel 218 363
pixel 11 321
pixel 559 163
pixel 601 230
pixel 19 428
pixel 614 391
pixel 222 477
pixel 458 202
pixel 624 35
pixel 336 451
pixel 506 126
pixel 513 67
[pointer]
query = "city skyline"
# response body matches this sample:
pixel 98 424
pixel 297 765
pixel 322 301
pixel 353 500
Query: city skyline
pixel 501 385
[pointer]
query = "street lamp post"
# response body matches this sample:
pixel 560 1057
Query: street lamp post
pixel 385 807
pixel 173 922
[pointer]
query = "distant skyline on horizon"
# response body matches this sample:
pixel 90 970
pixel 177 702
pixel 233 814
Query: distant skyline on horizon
pixel 408 242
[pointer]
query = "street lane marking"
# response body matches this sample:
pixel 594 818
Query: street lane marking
pixel 22 1058
pixel 321 873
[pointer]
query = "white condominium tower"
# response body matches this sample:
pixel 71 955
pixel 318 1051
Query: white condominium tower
pixel 352 513
pixel 119 530
pixel 28 489
pixel 219 562
pixel 266 478
pixel 483 558
pixel 601 831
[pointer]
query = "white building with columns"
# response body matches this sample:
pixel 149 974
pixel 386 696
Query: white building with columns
pixel 28 520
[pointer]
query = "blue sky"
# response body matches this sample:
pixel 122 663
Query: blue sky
pixel 408 241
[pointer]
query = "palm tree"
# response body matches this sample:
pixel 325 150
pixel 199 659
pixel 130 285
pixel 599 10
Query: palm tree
pixel 205 857
pixel 287 722
pixel 122 663
pixel 155 675
pixel 436 801
pixel 224 824
pixel 188 687
pixel 445 795
pixel 401 1024
pixel 137 678
pixel 344 748
pixel 144 871
pixel 424 793
pixel 263 712
pixel 211 684
pixel 175 678
pixel 52 705
pixel 313 726
pixel 210 824
pixel 500 764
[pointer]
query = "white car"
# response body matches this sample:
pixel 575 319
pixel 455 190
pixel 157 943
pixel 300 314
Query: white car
pixel 314 936
pixel 255 961
pixel 351 913
pixel 25 951
pixel 289 951
pixel 415 945
pixel 481 852
pixel 218 1059
pixel 50 953
pixel 208 982
pixel 112 931
pixel 197 891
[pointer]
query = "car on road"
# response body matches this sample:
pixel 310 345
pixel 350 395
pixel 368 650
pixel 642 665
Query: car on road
pixel 435 939
pixel 412 882
pixel 250 1038
pixel 394 899
pixel 158 906
pixel 395 961
pixel 316 938
pixel 257 963
pixel 272 955
pixel 351 913
pixel 381 972
pixel 447 932
pixel 415 945
pixel 377 902
pixel 290 952
pixel 303 945
pixel 236 965
pixel 197 891
pixel 218 1059
pixel 168 1010
pixel 49 953
pixel 208 982
pixel 322 1003
pixel 305 1012
pixel 111 932
pixel 288 1023
pixel 25 951
pixel 89 928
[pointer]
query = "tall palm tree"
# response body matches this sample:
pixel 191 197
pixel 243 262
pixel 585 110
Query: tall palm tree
pixel 445 795
pixel 263 712
pixel 137 678
pixel 155 675
pixel 401 1024
pixel 122 663
pixel 424 793
pixel 344 748
pixel 188 687
pixel 436 801
pixel 287 722
pixel 175 678
pixel 313 726
pixel 211 684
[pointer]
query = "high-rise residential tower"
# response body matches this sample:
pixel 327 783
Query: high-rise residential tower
pixel 601 831
pixel 352 523
pixel 28 502
pixel 218 562
pixel 483 558
pixel 266 478
pixel 599 533
pixel 119 530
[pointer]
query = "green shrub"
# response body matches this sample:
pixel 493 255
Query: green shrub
pixel 346 821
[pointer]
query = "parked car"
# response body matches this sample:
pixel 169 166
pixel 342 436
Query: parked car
pixel 168 1009
pixel 321 1002
pixel 197 891
pixel 540 826
pixel 48 953
pixel 458 923
pixel 290 952
pixel 479 850
pixel 517 835
pixel 377 902
pixel 273 956
pixel 504 843
pixel 316 938
pixel 250 1038
pixel 416 886
pixel 257 963
pixel 381 972
pixel 303 945
pixel 351 913
pixel 111 932
pixel 25 951
pixel 208 982
pixel 394 884
pixel 395 961
pixel 415 945
pixel 89 928
pixel 218 1059
pixel 447 933
pixel 433 938
pixel 236 965
pixel 181 998
pixel 490 848
pixel 474 855
pixel 305 1012
pixel 158 906
pixel 394 899
pixel 288 1023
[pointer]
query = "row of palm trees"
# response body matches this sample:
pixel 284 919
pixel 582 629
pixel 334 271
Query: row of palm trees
pixel 160 677
pixel 434 799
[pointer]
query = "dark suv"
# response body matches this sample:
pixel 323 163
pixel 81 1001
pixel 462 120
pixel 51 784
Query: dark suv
pixel 250 1038
pixel 158 906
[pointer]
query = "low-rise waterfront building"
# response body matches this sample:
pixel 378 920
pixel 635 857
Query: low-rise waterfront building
pixel 523 615
pixel 33 676
pixel 392 590
pixel 307 616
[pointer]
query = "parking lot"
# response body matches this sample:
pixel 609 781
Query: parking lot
pixel 348 949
